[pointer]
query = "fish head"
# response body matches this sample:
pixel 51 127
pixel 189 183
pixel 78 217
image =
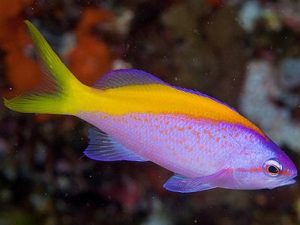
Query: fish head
pixel 267 168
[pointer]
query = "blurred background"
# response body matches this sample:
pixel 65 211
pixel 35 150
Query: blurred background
pixel 245 53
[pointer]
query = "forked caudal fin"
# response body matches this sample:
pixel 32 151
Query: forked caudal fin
pixel 59 101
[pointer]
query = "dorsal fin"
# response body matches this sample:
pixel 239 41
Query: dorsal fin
pixel 103 147
pixel 125 77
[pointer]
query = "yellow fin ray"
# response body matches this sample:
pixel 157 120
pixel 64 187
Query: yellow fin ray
pixel 65 83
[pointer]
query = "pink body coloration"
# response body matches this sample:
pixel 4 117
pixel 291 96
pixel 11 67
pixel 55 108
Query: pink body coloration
pixel 193 148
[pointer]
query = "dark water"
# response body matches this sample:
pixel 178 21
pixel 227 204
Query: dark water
pixel 245 53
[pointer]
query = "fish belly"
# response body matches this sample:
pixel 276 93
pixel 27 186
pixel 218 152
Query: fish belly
pixel 187 146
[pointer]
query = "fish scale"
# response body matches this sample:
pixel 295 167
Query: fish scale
pixel 168 149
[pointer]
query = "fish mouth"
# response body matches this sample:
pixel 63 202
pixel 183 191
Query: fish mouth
pixel 290 181
pixel 285 183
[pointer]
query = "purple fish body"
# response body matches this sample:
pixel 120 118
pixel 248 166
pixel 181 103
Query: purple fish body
pixel 138 117
pixel 189 147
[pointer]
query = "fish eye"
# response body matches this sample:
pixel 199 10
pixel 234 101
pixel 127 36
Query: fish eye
pixel 273 170
pixel 272 167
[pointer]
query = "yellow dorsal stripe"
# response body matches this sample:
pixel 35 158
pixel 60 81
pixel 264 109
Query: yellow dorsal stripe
pixel 158 98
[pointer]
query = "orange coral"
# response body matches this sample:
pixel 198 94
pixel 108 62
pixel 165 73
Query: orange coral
pixel 12 8
pixel 91 17
pixel 12 32
pixel 13 35
pixel 23 73
pixel 89 59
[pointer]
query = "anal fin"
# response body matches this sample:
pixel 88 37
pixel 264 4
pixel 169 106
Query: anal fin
pixel 103 147
pixel 178 183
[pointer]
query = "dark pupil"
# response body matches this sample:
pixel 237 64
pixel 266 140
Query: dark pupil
pixel 273 169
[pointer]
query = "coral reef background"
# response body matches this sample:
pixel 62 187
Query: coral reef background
pixel 245 53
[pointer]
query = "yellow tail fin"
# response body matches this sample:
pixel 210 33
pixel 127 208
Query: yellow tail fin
pixel 66 85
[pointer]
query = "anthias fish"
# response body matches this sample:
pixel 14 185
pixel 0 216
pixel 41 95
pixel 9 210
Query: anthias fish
pixel 138 117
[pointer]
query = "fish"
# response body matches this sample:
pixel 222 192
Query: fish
pixel 136 116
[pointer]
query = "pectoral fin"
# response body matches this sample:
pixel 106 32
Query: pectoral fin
pixel 102 147
pixel 178 183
